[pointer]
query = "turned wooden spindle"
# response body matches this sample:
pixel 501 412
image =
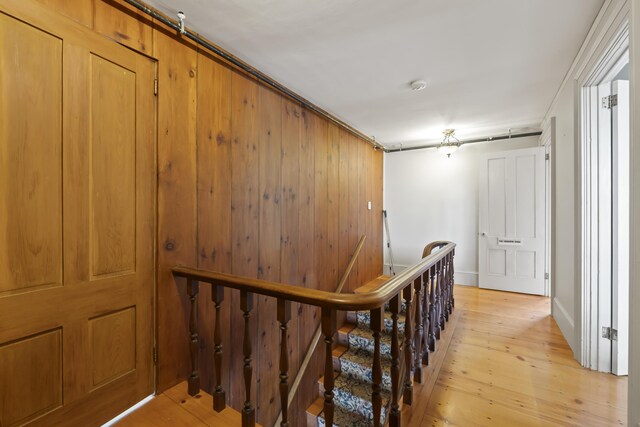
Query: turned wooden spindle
pixel 376 324
pixel 193 287
pixel 284 316
pixel 436 291
pixel 453 300
pixel 445 291
pixel 248 411
pixel 432 309
pixel 219 399
pixel 449 287
pixel 425 318
pixel 407 293
pixel 417 368
pixel 394 416
pixel 328 330
pixel 441 295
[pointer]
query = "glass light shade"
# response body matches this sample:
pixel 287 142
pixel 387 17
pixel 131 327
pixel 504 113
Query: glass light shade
pixel 447 149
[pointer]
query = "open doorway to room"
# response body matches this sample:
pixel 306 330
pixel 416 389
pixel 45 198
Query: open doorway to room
pixel 605 211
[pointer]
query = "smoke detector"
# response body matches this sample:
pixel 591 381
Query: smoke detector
pixel 418 85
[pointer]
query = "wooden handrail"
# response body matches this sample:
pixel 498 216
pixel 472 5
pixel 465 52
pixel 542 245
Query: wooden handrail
pixel 318 298
pixel 439 300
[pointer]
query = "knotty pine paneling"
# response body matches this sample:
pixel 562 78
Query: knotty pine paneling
pixel 214 204
pixel 177 215
pixel 244 219
pixel 270 145
pixel 249 182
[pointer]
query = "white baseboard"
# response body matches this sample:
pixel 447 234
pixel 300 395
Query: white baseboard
pixel 397 267
pixel 468 278
pixel 565 323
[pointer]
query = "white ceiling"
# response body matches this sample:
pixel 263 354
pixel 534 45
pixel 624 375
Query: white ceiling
pixel 491 65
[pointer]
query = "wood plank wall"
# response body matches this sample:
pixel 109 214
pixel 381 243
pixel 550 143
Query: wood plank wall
pixel 252 183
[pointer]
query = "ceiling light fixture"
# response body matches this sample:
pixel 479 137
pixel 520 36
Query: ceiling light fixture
pixel 418 85
pixel 449 143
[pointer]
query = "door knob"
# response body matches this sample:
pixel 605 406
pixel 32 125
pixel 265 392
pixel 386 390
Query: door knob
pixel 484 234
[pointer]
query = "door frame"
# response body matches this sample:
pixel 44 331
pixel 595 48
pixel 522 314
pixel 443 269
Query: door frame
pixel 613 59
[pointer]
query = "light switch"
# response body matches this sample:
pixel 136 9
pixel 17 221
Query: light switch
pixel 369 205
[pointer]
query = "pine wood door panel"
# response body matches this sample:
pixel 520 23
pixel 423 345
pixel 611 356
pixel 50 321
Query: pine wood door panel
pixel 77 198
pixel 31 369
pixel 30 158
pixel 113 167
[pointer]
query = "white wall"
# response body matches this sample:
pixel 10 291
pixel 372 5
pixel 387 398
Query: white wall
pixel 431 197
pixel 634 321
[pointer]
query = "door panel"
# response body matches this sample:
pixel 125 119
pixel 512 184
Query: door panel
pixel 511 244
pixel 77 196
pixel 30 207
pixel 112 173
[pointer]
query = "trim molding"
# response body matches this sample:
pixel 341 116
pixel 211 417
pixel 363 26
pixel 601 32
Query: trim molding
pixel 565 323
pixel 466 278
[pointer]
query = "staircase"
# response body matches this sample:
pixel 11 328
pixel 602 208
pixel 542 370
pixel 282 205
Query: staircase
pixel 352 361
pixel 379 353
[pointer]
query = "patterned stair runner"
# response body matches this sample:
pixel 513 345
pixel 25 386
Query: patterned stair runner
pixel 353 385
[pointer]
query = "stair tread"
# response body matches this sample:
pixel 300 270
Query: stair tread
pixel 352 402
pixel 363 318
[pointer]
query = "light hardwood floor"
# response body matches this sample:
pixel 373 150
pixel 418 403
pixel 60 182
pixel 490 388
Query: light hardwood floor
pixel 509 365
pixel 502 361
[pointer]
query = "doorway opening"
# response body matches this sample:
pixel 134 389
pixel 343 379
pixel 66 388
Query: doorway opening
pixel 605 211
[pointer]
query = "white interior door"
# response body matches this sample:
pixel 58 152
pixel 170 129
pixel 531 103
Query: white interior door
pixel 512 215
pixel 620 242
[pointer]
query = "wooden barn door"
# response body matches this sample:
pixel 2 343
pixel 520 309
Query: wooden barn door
pixel 77 188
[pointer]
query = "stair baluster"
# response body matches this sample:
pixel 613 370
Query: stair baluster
pixel 219 399
pixel 437 288
pixel 328 330
pixel 441 295
pixel 394 307
pixel 449 285
pixel 284 315
pixel 432 309
pixel 445 292
pixel 407 293
pixel 193 288
pixel 417 372
pixel 248 411
pixel 451 282
pixel 376 397
pixel 425 318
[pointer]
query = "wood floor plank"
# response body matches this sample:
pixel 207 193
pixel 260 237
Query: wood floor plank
pixel 508 364
pixel 160 412
pixel 175 408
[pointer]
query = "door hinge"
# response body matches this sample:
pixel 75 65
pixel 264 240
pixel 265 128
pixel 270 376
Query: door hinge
pixel 610 101
pixel 546 276
pixel 155 86
pixel 609 333
pixel 546 156
pixel 155 355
